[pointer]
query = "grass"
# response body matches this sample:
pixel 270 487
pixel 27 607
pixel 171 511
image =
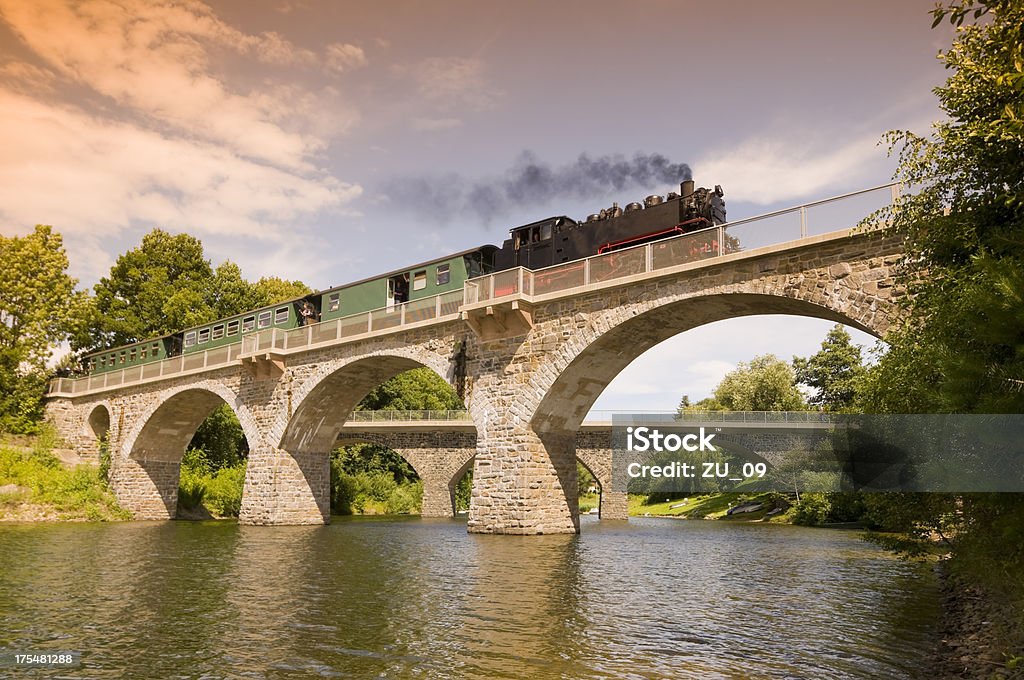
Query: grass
pixel 707 506
pixel 48 490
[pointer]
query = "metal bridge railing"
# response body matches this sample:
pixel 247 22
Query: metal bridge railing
pixel 407 416
pixel 267 341
pixel 343 328
pixel 183 364
pixel 780 226
pixel 670 417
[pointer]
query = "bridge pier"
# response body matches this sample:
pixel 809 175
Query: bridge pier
pixel 593 448
pixel 147 488
pixel 523 483
pixel 284 488
pixel 614 504
pixel 438 498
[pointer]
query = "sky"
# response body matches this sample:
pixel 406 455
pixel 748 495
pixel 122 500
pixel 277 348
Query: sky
pixel 331 141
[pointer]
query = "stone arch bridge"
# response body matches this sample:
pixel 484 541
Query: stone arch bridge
pixel 532 351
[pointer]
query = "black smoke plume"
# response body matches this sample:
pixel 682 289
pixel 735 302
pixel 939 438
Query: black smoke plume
pixel 531 182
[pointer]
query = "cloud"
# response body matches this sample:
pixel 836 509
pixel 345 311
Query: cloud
pixel 94 178
pixel 766 170
pixel 433 124
pixel 154 61
pixel 342 57
pixel 121 121
pixel 452 83
pixel 25 77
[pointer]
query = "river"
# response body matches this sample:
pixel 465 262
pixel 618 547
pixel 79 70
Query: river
pixel 411 598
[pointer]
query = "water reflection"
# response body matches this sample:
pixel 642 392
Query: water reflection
pixel 411 598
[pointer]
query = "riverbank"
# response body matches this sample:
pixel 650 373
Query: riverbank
pixel 981 632
pixel 35 486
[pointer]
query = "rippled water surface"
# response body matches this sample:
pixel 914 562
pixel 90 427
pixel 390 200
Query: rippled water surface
pixel 366 598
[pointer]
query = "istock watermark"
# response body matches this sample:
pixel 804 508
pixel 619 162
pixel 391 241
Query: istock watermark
pixel 812 451
pixel 651 439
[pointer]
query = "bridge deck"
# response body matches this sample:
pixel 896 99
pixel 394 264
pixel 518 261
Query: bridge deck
pixel 460 421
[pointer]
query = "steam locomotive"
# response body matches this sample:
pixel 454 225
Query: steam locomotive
pixel 560 239
pixel 543 243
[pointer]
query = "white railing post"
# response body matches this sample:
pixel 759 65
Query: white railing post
pixel 401 314
pixel 369 321
pixel 586 271
pixel 491 277
pixel 721 240
pixel 519 285
pixel 309 335
pixel 649 257
pixel 437 306
pixel 206 357
pixel 803 221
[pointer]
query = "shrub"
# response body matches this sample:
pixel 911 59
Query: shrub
pixel 812 509
pixel 224 491
pixel 191 488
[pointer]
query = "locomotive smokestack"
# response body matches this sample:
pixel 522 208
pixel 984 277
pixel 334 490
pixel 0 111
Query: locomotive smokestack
pixel 686 188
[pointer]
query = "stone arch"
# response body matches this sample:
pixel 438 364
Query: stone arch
pixel 584 366
pixel 593 469
pixel 98 421
pixel 163 432
pixel 288 480
pixel 440 460
pixel 145 475
pixel 532 390
pixel 326 397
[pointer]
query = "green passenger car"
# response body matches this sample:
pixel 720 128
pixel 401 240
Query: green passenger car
pixel 288 314
pixel 424 280
pixel 135 354
pixel 404 285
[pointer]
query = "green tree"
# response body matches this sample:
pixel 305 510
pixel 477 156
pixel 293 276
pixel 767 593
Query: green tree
pixel 160 287
pixel 962 346
pixel 963 223
pixel 767 383
pixel 166 284
pixel 221 439
pixel 272 290
pixel 834 372
pixel 230 294
pixel 39 308
pixel 416 389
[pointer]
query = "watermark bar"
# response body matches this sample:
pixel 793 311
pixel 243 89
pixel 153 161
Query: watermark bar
pixel 38 658
pixel 656 453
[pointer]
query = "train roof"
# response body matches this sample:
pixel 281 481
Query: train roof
pixel 402 270
pixel 127 345
pixel 296 299
pixel 542 221
pixel 257 310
